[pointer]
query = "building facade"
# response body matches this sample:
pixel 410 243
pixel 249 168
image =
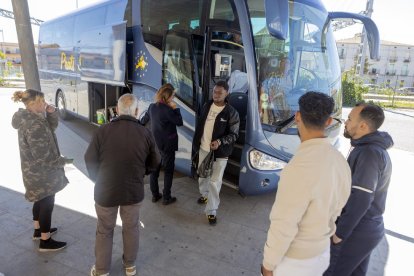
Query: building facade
pixel 393 69
pixel 10 67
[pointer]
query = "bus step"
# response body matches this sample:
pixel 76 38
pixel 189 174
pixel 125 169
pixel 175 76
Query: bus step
pixel 242 136
pixel 231 181
pixel 237 152
pixel 232 168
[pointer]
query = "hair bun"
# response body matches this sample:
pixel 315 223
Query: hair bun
pixel 18 96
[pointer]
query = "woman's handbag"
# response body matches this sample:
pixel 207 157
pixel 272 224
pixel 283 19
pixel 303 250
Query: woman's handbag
pixel 145 119
pixel 206 167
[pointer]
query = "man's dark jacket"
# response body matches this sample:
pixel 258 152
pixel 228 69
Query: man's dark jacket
pixel 371 174
pixel 226 129
pixel 164 122
pixel 120 154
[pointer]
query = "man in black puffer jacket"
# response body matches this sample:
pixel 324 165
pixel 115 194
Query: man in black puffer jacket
pixel 217 130
pixel 361 227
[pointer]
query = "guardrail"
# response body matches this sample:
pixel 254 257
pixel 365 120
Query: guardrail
pixel 384 97
pixel 393 100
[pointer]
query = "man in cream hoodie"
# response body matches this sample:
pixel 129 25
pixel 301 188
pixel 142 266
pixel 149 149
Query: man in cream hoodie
pixel 312 191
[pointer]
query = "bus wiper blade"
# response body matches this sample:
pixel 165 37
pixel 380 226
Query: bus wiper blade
pixel 282 126
pixel 339 120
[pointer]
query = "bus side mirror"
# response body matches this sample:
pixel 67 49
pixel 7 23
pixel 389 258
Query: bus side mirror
pixel 370 27
pixel 277 18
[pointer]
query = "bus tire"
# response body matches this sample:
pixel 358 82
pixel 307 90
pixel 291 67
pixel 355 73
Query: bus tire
pixel 61 105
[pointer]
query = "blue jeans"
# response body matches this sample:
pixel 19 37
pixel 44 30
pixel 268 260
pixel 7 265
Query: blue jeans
pixel 210 187
pixel 105 233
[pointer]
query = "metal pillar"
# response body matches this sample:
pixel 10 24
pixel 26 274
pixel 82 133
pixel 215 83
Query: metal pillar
pixel 368 12
pixel 26 45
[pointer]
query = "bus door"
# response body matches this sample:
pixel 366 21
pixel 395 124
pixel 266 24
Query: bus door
pixel 225 60
pixel 182 55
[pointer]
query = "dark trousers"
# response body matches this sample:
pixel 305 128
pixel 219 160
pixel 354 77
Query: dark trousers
pixel 42 212
pixel 167 162
pixel 351 257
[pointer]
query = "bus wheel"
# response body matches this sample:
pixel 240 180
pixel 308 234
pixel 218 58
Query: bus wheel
pixel 61 105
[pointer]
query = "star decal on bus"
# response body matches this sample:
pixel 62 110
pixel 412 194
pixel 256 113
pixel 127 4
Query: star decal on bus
pixel 141 64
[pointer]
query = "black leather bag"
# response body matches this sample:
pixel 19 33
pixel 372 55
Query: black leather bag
pixel 145 119
pixel 206 167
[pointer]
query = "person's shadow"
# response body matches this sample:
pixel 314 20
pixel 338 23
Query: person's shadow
pixel 379 256
pixel 378 259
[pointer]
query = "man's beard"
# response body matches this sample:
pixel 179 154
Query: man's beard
pixel 346 134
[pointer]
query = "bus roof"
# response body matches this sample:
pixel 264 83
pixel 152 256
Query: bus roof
pixel 80 11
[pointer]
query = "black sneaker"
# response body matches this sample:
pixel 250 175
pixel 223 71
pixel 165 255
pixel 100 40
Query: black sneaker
pixel 156 198
pixel 51 245
pixel 202 200
pixel 169 200
pixel 212 219
pixel 37 234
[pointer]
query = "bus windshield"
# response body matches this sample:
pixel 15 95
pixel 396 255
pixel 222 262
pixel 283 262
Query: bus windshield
pixel 306 61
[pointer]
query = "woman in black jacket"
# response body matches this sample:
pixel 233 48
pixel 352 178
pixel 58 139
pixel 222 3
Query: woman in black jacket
pixel 165 117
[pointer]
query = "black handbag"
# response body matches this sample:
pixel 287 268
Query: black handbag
pixel 205 169
pixel 144 118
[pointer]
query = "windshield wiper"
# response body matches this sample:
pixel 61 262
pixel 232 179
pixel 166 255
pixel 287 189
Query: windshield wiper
pixel 285 124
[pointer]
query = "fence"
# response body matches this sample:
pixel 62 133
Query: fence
pixel 391 99
pixel 10 72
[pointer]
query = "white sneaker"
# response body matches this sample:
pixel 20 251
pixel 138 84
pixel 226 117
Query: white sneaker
pixel 131 270
pixel 93 272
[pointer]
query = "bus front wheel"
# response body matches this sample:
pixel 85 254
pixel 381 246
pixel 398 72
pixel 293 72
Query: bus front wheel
pixel 61 105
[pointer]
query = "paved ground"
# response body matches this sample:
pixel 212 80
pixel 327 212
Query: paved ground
pixel 176 239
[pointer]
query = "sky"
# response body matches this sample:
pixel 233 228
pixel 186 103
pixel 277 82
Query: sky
pixel 394 18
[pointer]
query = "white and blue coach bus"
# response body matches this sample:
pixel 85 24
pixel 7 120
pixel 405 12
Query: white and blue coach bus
pixel 270 51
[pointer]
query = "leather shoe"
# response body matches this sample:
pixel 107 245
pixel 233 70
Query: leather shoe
pixel 169 200
pixel 156 197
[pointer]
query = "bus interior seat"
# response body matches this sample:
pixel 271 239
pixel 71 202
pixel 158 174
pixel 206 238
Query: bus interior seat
pixel 238 82
pixel 239 100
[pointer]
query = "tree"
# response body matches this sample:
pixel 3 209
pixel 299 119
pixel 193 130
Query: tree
pixel 352 89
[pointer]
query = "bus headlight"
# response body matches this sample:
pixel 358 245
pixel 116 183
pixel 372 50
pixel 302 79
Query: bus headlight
pixel 264 162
